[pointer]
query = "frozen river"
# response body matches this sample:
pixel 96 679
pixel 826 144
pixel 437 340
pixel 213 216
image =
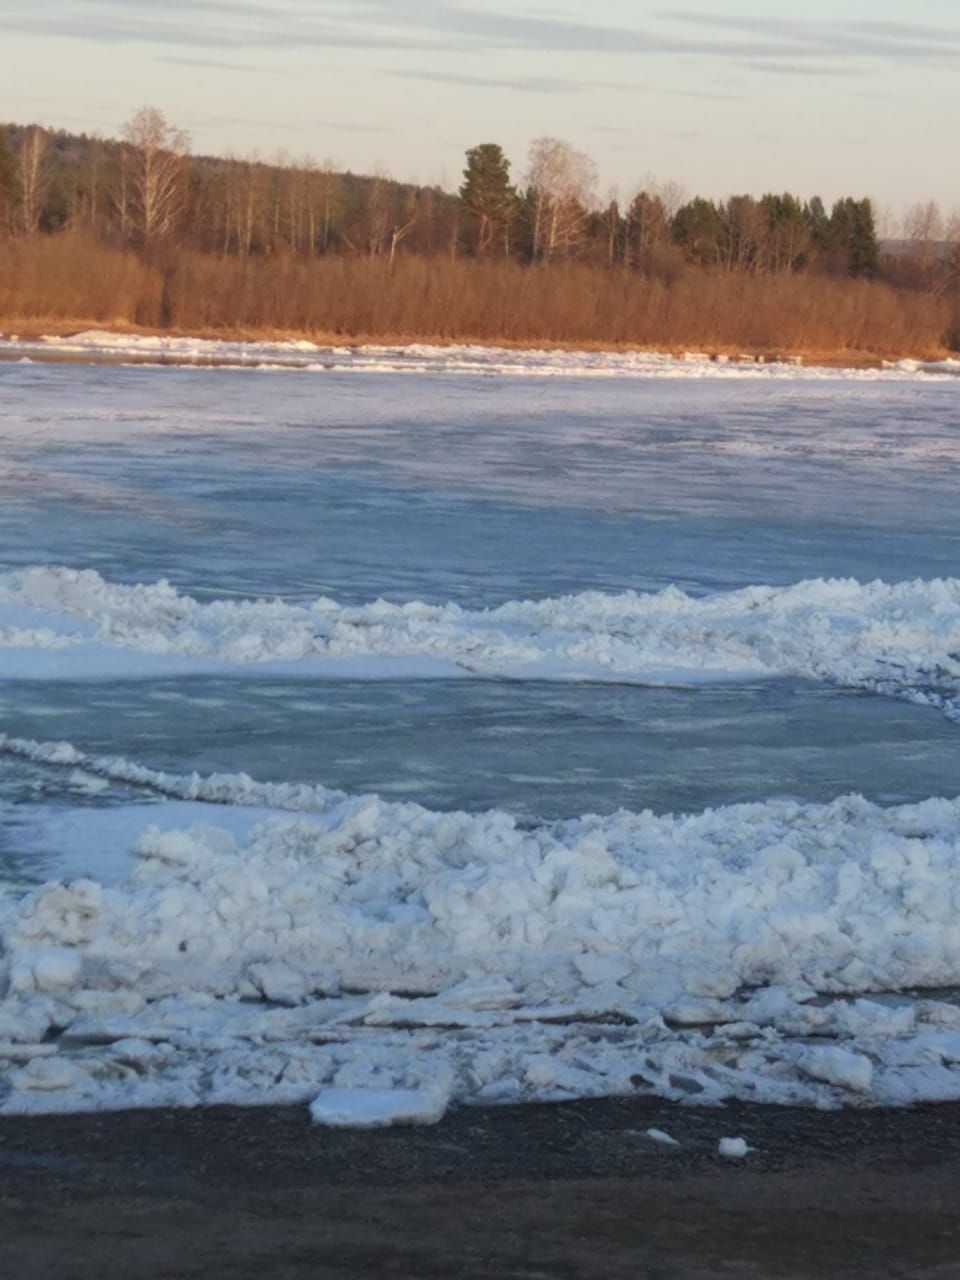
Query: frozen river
pixel 649 593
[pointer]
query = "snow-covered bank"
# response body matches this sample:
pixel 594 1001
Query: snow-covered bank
pixel 901 639
pixel 453 359
pixel 383 946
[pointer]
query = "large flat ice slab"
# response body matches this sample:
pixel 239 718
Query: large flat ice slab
pixel 377 1108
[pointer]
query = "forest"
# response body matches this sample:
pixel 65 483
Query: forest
pixel 137 231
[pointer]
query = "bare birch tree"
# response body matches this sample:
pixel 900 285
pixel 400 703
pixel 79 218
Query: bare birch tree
pixel 34 177
pixel 952 235
pixel 248 200
pixel 154 159
pixel 402 229
pixel 377 215
pixel 924 227
pixel 561 183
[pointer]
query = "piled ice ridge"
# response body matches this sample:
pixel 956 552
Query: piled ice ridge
pixel 459 957
pixel 897 639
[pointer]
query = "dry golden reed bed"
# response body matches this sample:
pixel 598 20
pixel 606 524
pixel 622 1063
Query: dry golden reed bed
pixel 67 281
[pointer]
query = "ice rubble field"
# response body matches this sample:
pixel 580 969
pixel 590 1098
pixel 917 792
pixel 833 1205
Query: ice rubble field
pixel 287 942
pixel 345 942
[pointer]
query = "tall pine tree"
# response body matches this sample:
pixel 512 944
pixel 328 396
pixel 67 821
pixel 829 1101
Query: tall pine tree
pixel 853 237
pixel 488 196
pixel 865 247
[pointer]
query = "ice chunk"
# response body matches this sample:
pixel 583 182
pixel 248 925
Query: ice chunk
pixel 662 1139
pixel 378 1108
pixel 833 1065
pixel 46 969
pixel 48 1075
pixel 732 1148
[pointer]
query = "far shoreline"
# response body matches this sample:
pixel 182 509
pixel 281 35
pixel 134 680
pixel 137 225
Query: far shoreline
pixel 34 330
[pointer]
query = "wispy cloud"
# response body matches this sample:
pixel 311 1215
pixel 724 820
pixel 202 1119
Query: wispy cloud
pixel 462 27
pixel 798 38
pixel 548 85
pixel 214 64
pixel 208 24
pixel 520 84
pixel 815 69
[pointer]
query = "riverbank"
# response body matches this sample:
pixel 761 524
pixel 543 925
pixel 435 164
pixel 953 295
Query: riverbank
pixel 567 1191
pixel 72 281
pixel 33 330
pixel 122 343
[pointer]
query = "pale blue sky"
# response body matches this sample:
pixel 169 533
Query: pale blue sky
pixel 723 96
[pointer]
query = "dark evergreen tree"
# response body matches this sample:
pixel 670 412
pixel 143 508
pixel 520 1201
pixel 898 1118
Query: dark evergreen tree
pixel 865 247
pixel 648 228
pixel 818 223
pixel 698 229
pixel 604 235
pixel 9 181
pixel 788 236
pixel 854 247
pixel 488 196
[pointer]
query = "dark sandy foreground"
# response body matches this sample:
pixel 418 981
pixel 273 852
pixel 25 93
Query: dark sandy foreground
pixel 536 1192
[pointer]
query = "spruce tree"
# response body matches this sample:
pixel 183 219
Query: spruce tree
pixel 487 194
pixel 698 229
pixel 864 246
pixel 853 237
pixel 9 181
pixel 818 222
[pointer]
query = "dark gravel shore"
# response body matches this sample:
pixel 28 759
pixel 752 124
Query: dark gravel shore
pixel 543 1193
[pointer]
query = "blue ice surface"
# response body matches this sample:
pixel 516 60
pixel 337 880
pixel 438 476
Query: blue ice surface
pixel 475 489
pixel 480 490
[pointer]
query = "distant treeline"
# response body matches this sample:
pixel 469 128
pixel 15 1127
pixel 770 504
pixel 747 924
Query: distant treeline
pixel 137 230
